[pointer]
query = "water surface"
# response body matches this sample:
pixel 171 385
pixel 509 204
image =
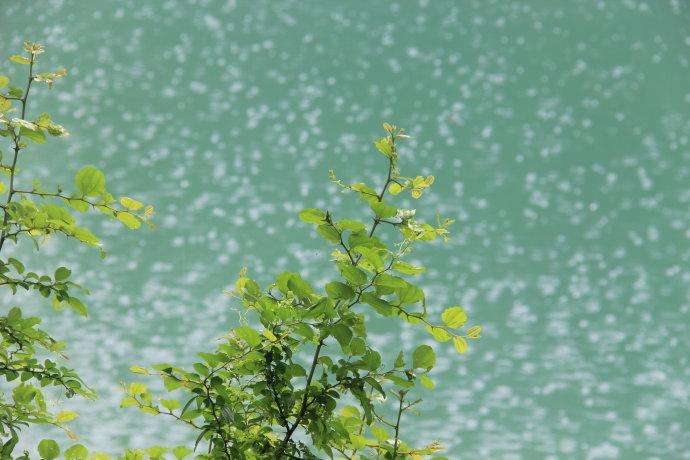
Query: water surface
pixel 558 132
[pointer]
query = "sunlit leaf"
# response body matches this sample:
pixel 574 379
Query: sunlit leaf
pixel 454 317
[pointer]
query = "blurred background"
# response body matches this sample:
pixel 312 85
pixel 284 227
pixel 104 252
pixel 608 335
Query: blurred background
pixel 558 133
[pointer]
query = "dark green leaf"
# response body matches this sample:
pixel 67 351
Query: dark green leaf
pixel 354 275
pixel 337 290
pixel 423 357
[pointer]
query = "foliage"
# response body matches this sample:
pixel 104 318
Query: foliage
pixel 299 378
pixel 30 359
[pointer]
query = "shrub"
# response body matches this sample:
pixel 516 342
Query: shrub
pixel 255 396
pixel 30 359
pixel 297 379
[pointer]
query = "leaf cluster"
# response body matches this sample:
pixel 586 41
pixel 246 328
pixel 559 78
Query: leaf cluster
pixel 298 378
pixel 300 367
pixel 32 362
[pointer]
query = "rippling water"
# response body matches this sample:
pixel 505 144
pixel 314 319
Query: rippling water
pixel 558 132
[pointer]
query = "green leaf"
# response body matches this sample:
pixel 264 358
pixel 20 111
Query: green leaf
pixel 400 360
pixel 131 203
pixel 48 449
pixel 354 275
pixel 78 306
pixel 439 334
pixel 249 335
pixel 423 357
pixel 14 315
pixel 407 269
pixel 136 388
pixel 181 452
pixel 351 224
pixel 383 307
pixel 328 233
pixel 399 381
pixel 380 433
pixel 295 370
pixel 358 346
pixel 299 287
pixel 62 273
pixel 357 441
pixel 372 256
pixel 304 330
pixel 343 335
pixel 170 404
pixel 372 360
pixel 427 382
pixel 454 317
pixel 5 105
pixel 129 219
pixel 15 91
pixel 384 279
pixel 77 452
pixel 85 236
pixel 37 136
pixel 350 411
pixel 384 146
pixel 312 216
pixel 128 401
pixel 156 452
pixel 90 181
pixel 410 294
pixel 337 290
pixel 383 210
pixel 78 205
pixel 20 59
pixel 99 456
pixel 3 81
pixel 18 266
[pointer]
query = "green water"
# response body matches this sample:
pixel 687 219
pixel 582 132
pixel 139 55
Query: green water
pixel 558 132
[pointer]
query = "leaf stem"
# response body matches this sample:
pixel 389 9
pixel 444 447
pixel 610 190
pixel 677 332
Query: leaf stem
pixel 397 424
pixel 303 408
pixel 16 137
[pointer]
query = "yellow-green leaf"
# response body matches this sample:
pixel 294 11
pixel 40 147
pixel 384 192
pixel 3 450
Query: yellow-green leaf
pixel 460 344
pixel 454 317
pixel 128 401
pixel 427 382
pixel 474 332
pixel 439 334
pixel 131 203
pixel 395 188
pixel 312 216
pixel 129 219
pixel 35 135
pixel 137 388
pixel 170 404
pixel 139 370
pixel 90 181
pixel 384 146
pixel 19 59
pixel 5 104
pixel 65 416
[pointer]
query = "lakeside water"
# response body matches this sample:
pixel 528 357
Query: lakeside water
pixel 558 132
